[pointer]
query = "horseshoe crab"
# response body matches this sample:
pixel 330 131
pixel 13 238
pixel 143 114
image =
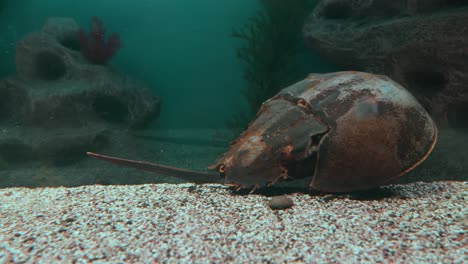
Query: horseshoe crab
pixel 347 131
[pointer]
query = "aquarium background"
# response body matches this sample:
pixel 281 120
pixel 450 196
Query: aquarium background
pixel 183 50
pixel 186 54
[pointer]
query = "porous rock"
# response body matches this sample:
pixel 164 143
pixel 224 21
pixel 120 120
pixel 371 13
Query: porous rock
pixel 58 105
pixel 423 45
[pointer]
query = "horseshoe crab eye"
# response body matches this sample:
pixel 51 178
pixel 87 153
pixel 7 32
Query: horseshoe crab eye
pixel 222 169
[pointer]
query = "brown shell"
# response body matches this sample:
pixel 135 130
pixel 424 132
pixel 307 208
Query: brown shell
pixel 378 131
pixel 347 130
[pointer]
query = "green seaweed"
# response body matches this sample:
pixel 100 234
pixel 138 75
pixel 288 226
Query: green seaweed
pixel 270 39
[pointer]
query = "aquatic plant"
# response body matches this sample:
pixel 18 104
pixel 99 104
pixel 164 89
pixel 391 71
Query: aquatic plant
pixel 94 45
pixel 270 39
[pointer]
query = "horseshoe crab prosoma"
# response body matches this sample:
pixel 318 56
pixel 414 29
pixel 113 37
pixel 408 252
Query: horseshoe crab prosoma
pixel 347 131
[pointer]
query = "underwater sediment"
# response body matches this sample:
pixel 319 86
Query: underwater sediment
pixel 417 223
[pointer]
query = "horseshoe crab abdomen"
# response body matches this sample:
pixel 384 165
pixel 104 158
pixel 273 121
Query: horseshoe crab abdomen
pixel 377 130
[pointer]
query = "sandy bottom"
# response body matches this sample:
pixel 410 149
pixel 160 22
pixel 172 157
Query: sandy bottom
pixel 418 223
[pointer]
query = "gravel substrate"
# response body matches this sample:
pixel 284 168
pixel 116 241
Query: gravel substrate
pixel 185 223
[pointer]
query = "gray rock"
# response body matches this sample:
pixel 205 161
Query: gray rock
pixel 280 202
pixel 58 105
pixel 63 29
pixel 423 45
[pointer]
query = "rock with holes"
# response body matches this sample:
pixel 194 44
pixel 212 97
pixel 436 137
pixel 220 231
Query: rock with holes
pixel 423 45
pixel 58 105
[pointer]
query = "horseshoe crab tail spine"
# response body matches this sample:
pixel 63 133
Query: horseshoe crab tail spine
pixel 190 175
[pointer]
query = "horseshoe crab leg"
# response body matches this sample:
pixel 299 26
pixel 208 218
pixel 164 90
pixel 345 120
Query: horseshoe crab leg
pixel 190 175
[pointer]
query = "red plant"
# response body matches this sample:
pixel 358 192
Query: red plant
pixel 94 45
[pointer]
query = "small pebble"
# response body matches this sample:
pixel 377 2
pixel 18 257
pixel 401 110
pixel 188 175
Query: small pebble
pixel 280 202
